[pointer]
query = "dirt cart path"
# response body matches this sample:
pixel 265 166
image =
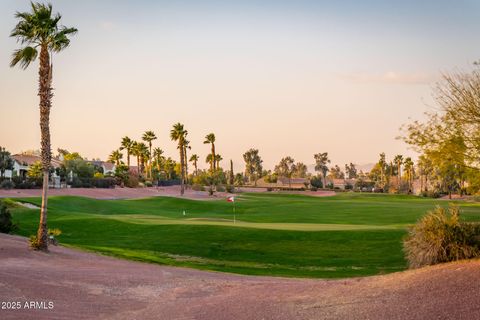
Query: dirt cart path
pixel 80 285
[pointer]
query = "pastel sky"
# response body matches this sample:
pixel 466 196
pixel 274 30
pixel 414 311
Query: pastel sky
pixel 287 77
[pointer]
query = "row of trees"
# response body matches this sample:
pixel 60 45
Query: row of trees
pixel 449 140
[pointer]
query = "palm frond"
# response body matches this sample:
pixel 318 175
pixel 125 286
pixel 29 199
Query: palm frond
pixel 24 56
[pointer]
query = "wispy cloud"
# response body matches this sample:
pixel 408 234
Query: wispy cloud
pixel 391 77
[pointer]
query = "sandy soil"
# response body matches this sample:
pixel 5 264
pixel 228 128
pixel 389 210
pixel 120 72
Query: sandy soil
pixel 132 193
pixel 87 286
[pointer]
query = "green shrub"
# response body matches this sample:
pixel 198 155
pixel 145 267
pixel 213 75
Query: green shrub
pixel 230 189
pixel 220 188
pixel 440 237
pixel 7 184
pixel 148 183
pixel 6 224
pixel 312 188
pixel 316 182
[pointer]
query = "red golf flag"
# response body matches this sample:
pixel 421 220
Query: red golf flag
pixel 231 199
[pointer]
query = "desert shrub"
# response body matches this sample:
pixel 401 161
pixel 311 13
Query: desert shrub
pixel 312 188
pixel 230 189
pixel 430 194
pixel 7 184
pixel 6 224
pixel 34 243
pixel 348 186
pixel 132 181
pixel 439 237
pixel 198 187
pixel 220 188
pixel 148 183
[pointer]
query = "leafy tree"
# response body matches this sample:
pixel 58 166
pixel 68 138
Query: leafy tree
pixel 299 170
pixel 40 29
pixel 127 145
pixel 73 156
pixel 253 165
pixel 351 171
pixel 239 179
pixel 210 139
pixel 6 161
pixel 336 173
pixel 321 165
pixel 148 137
pixel 286 168
pixel 178 133
pixel 35 171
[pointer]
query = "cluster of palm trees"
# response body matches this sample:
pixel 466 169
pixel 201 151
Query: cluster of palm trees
pixel 143 152
pixel 149 158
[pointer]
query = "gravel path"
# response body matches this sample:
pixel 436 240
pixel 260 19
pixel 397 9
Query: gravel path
pixel 88 286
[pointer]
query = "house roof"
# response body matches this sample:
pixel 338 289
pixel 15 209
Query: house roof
pixel 28 160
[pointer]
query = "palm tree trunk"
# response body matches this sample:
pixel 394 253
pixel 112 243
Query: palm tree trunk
pixel 213 157
pixel 185 161
pixel 138 166
pixel 45 93
pixel 128 159
pixel 182 170
pixel 150 159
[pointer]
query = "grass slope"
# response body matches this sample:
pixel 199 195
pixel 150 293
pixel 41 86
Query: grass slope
pixel 288 235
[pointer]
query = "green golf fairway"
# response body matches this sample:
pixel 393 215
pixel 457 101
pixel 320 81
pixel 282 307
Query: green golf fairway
pixel 346 235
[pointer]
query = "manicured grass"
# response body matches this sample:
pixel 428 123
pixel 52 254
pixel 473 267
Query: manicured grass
pixel 288 235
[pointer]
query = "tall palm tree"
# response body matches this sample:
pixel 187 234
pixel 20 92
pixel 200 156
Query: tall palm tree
pixel 186 147
pixel 115 157
pixel 178 133
pixel 137 153
pixel 194 158
pixel 143 155
pixel 398 161
pixel 210 139
pixel 218 158
pixel 148 137
pixel 40 29
pixel 127 145
pixel 158 156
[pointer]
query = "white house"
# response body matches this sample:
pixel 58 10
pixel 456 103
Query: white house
pixel 22 162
